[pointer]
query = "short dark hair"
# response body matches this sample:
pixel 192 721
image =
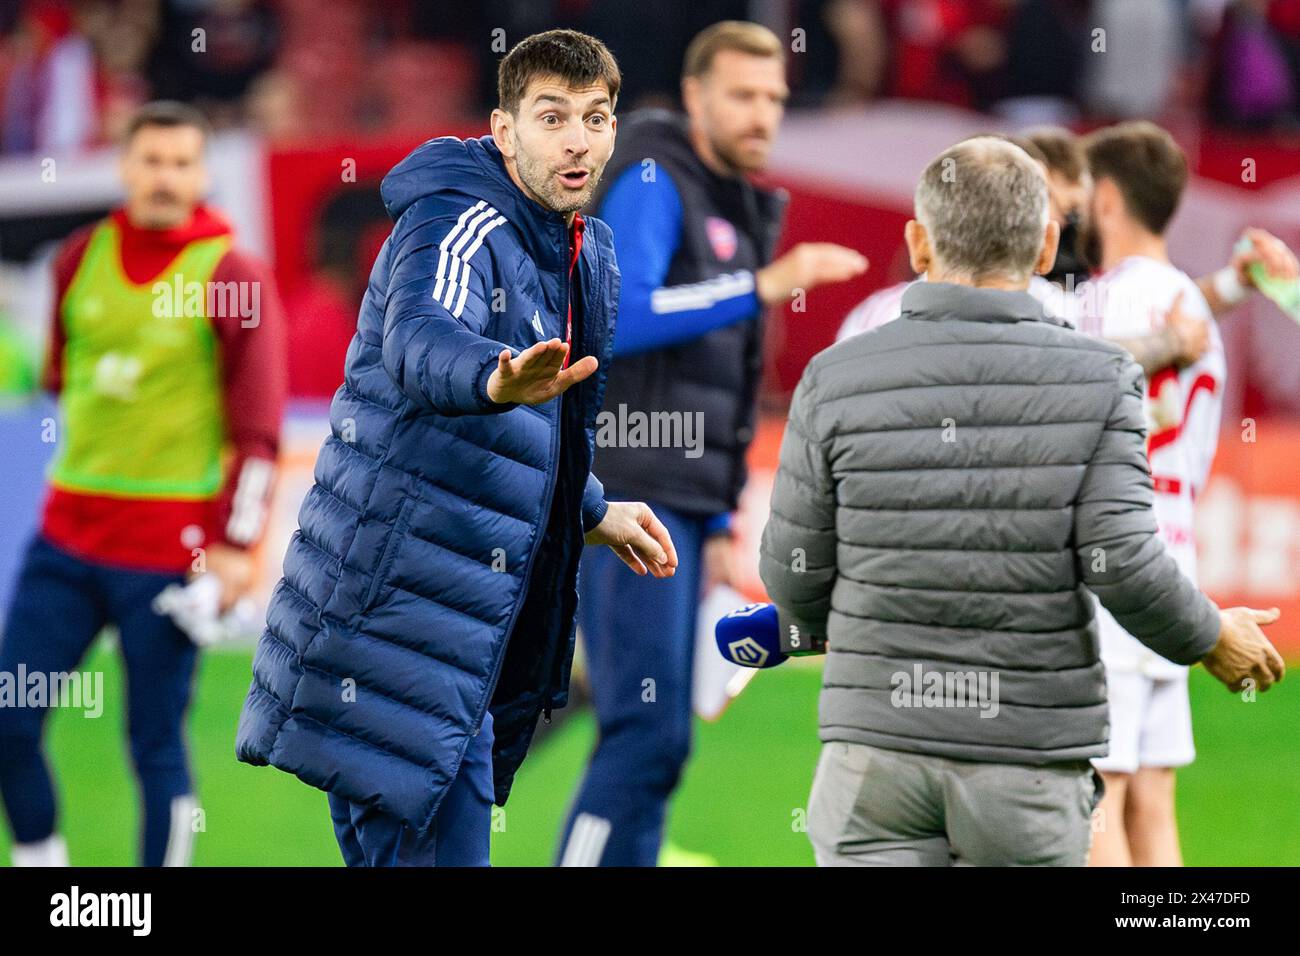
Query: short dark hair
pixel 1060 149
pixel 574 58
pixel 167 113
pixel 1146 164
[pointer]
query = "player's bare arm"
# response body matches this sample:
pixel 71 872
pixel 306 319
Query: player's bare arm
pixel 1225 288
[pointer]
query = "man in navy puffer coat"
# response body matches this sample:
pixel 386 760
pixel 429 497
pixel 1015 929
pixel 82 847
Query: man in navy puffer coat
pixel 425 620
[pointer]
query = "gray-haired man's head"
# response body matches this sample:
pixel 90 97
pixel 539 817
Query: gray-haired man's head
pixel 982 216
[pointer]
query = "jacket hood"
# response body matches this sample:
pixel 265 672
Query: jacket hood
pixel 145 253
pixel 466 171
pixel 205 223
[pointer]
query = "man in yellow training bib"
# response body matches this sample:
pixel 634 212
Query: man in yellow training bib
pixel 167 353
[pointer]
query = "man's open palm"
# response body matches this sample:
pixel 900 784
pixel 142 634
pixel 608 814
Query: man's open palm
pixel 537 375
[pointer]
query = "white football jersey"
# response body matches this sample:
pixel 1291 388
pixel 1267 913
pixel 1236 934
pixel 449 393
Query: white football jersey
pixel 882 306
pixel 1056 300
pixel 1183 409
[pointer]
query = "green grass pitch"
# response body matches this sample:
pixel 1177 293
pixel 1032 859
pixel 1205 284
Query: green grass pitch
pixel 741 800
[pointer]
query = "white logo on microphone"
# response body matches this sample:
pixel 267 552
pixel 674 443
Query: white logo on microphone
pixel 748 652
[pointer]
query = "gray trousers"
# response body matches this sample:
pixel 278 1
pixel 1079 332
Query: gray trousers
pixel 873 807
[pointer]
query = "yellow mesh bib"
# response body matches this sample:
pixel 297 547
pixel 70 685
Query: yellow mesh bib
pixel 141 402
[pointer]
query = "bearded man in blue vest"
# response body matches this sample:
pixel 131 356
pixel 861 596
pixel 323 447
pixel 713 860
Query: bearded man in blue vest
pixel 425 621
pixel 696 240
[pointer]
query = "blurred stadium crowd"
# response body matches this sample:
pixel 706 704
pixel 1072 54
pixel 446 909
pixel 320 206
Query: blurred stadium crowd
pixel 72 70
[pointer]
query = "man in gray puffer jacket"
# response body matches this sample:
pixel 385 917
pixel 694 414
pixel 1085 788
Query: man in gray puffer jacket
pixel 951 487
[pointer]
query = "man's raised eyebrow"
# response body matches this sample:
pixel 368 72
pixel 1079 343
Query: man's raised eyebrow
pixel 602 100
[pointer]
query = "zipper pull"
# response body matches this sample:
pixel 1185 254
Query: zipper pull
pixel 546 714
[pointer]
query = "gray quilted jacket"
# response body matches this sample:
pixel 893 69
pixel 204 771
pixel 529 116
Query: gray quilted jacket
pixel 952 485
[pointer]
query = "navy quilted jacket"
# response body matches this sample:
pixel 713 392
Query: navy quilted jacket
pixel 434 570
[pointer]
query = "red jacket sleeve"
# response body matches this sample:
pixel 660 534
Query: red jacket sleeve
pixel 66 261
pixel 254 378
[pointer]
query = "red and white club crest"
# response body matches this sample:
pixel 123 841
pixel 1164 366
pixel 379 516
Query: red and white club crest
pixel 722 237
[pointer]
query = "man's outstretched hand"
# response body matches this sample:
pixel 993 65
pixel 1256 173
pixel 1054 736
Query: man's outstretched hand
pixel 1243 653
pixel 537 375
pixel 640 539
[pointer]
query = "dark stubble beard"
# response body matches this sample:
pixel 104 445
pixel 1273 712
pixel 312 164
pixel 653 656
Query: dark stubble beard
pixel 541 181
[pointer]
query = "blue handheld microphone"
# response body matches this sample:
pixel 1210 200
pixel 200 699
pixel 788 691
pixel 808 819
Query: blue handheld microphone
pixel 758 635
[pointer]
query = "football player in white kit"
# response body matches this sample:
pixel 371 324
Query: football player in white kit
pixel 1138 177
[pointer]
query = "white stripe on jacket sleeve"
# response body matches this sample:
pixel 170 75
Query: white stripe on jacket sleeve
pixel 443 247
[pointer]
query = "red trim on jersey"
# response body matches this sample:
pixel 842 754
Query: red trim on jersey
pixel 1155 385
pixel 575 249
pixel 1205 382
pixel 1166 485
